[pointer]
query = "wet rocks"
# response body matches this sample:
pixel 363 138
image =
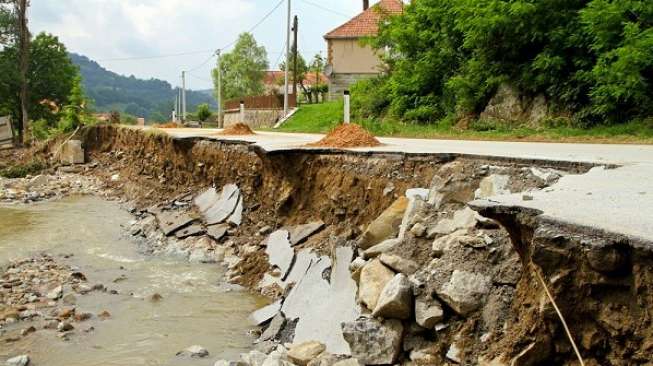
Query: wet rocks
pixel 194 351
pixel 396 299
pixel 47 187
pixel 465 291
pixel 373 279
pixel 171 221
pixel 301 354
pixel 374 342
pixel 22 360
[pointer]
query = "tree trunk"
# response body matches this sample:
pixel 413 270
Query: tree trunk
pixel 23 61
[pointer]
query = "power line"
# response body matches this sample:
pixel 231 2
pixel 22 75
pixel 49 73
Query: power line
pixel 257 24
pixel 326 9
pixel 236 40
pixel 155 56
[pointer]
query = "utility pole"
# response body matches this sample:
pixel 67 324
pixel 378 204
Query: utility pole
pixel 220 122
pixel 23 61
pixel 174 109
pixel 183 96
pixel 285 91
pixel 294 29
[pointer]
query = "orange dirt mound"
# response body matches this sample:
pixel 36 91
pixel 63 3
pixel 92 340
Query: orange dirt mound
pixel 237 129
pixel 168 125
pixel 347 135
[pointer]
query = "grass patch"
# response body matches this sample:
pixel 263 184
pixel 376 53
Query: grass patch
pixel 321 118
pixel 23 170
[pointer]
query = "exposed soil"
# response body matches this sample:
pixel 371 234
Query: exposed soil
pixel 347 135
pixel 238 129
pixel 168 125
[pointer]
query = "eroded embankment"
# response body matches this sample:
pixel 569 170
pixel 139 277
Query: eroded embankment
pixel 434 283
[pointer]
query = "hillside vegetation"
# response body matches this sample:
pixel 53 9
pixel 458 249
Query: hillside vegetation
pixel 152 99
pixel 591 61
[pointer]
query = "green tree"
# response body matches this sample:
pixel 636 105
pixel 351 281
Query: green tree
pixel 74 113
pixel 203 112
pixel 592 59
pixel 243 69
pixel 51 78
pixel 302 69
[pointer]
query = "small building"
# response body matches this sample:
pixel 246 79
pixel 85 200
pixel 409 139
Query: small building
pixel 348 60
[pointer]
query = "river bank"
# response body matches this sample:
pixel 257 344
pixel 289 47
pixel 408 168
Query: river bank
pixel 379 259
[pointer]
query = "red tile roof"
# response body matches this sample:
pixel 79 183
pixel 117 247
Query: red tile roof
pixel 273 77
pixel 367 23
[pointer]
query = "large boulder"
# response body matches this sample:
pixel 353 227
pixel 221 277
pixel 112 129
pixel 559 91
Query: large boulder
pixel 386 225
pixel 510 107
pixel 373 279
pixel 301 354
pixel 462 219
pixel 383 247
pixel 373 342
pixel 396 300
pixel 466 291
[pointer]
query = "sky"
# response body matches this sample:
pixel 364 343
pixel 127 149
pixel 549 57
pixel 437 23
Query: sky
pixel 108 31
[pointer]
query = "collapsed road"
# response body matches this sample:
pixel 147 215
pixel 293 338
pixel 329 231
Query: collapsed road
pixel 416 252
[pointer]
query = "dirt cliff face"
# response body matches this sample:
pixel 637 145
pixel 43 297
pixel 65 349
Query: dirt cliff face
pixel 600 282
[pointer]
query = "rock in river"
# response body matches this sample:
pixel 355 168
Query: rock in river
pixel 22 360
pixel 194 351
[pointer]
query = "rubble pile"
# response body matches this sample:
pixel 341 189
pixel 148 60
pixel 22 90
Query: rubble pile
pixel 40 289
pixel 47 187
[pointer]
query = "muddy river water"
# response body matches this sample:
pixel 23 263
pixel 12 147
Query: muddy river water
pixel 197 307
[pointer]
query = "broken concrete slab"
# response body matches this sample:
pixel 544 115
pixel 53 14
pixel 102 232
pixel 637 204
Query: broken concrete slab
pixel 303 260
pixel 279 251
pixel 300 233
pixel 396 300
pixel 192 230
pixel 374 277
pixel 236 217
pixel 386 225
pixel 399 264
pixel 72 152
pixel 466 291
pixel 206 199
pixel 373 342
pixel 217 232
pixel 272 331
pixel 221 209
pixel 318 296
pixel 265 313
pixel 171 221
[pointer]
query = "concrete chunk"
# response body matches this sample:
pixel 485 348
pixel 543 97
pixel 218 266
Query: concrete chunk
pixel 265 313
pixel 236 217
pixel 217 232
pixel 169 221
pixel 300 233
pixel 72 152
pixel 224 206
pixel 279 251
pixel 192 230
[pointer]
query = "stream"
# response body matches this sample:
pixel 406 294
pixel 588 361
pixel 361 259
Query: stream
pixel 197 306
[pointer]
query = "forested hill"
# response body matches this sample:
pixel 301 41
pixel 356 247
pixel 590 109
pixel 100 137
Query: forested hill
pixel 152 99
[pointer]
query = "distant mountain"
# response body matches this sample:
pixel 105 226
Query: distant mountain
pixel 152 99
